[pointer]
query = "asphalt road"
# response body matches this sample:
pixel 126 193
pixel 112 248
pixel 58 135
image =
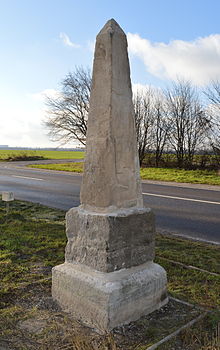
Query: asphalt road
pixel 188 210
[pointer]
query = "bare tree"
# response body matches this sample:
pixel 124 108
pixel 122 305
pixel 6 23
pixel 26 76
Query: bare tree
pixel 197 129
pixel 187 119
pixel 143 107
pixel 161 127
pixel 180 119
pixel 68 112
pixel 213 94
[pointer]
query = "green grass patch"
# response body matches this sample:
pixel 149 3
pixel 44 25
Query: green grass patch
pixel 32 241
pixel 188 284
pixel 198 254
pixel 209 177
pixel 31 237
pixel 73 167
pixel 32 234
pixel 31 154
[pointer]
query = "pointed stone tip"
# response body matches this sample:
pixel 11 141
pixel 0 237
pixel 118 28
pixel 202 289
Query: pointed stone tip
pixel 111 26
pixel 112 22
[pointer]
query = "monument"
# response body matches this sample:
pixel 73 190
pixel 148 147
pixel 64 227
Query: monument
pixel 109 278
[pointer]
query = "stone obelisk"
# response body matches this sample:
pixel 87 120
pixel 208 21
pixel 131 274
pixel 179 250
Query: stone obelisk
pixel 109 278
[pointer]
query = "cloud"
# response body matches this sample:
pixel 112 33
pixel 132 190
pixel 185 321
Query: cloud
pixel 137 87
pixel 21 123
pixel 198 60
pixel 67 42
pixel 40 96
pixel 24 128
pixel 91 45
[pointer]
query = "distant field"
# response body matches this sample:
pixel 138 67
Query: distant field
pixel 13 154
pixel 208 177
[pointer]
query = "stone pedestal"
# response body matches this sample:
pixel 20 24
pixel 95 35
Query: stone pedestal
pixel 110 242
pixel 107 300
pixel 109 278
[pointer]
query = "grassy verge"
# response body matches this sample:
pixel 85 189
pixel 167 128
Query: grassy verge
pixel 37 154
pixel 73 167
pixel 209 177
pixel 32 241
pixel 187 284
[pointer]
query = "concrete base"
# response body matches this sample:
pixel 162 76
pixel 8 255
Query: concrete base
pixel 107 300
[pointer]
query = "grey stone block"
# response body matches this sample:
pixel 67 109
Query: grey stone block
pixel 107 300
pixel 111 169
pixel 110 242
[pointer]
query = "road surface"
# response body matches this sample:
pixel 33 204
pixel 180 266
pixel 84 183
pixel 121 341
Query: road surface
pixel 188 210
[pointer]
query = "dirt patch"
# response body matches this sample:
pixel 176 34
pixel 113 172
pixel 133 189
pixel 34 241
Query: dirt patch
pixel 33 325
pixel 37 322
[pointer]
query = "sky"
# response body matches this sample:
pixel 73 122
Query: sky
pixel 41 41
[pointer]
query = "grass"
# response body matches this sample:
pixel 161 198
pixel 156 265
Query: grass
pixel 167 161
pixel 27 239
pixel 32 241
pixel 197 337
pixel 73 167
pixel 209 177
pixel 190 285
pixel 14 154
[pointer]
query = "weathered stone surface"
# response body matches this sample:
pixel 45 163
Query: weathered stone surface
pixel 109 242
pixel 109 278
pixel 107 300
pixel 111 177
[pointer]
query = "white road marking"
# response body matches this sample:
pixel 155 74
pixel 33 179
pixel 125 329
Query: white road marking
pixel 29 178
pixel 181 198
pixel 145 193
